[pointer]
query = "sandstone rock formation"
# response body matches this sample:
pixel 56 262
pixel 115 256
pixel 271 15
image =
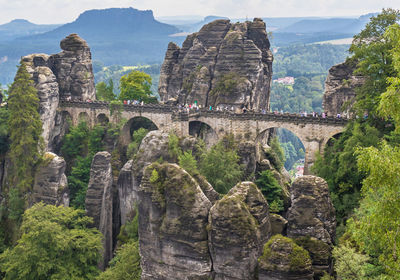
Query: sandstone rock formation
pixel 48 92
pixel 283 259
pixel 73 69
pixel 320 253
pixel 311 213
pixel 68 74
pixel 173 217
pixel 223 64
pixel 340 87
pixel 278 224
pixel 99 202
pixel 50 184
pixel 238 228
pixel 128 195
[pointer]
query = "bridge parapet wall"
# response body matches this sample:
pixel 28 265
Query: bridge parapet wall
pixel 314 132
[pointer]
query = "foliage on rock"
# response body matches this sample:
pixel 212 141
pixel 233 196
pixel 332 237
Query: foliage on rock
pixel 56 243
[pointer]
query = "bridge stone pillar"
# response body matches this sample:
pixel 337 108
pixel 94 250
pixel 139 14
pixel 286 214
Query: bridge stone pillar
pixel 180 124
pixel 312 147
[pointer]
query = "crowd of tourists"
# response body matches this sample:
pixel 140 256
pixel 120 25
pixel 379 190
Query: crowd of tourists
pixel 195 107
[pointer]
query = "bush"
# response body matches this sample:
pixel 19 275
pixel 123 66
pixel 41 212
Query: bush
pixel 220 166
pixel 271 190
pixel 125 265
pixel 188 162
pixel 137 138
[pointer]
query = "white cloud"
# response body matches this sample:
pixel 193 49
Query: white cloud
pixel 58 11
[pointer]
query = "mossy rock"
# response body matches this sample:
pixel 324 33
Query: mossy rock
pixel 319 251
pixel 281 255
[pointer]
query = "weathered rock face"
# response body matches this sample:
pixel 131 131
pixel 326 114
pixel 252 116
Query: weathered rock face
pixel 206 187
pixel 278 224
pixel 50 185
pixel 282 259
pixel 311 213
pixel 239 226
pixel 67 74
pixel 73 69
pixel 340 87
pixel 128 195
pixel 173 216
pixel 247 154
pixel 221 53
pixel 47 87
pixel 320 254
pixel 99 201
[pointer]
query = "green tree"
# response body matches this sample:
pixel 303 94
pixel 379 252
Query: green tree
pixel 220 166
pixel 136 86
pixel 125 265
pixel 79 147
pixel 376 225
pixel 271 190
pixel 137 138
pixel 105 92
pixel 350 264
pixel 56 243
pixel 25 129
pixel 187 161
pixel 338 166
pixel 4 134
pixel 372 51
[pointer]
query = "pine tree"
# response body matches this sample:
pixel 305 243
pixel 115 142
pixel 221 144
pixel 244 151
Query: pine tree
pixel 25 129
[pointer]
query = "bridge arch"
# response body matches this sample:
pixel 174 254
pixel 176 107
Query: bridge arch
pixel 84 117
pixel 291 143
pixel 134 124
pixel 102 119
pixel 203 131
pixel 329 137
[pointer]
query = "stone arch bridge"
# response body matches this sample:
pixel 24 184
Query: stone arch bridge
pixel 314 132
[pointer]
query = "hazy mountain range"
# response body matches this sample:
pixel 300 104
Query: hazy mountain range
pixel 127 36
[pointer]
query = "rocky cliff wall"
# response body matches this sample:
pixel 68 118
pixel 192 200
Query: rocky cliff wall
pixel 224 64
pixel 68 74
pixel 340 85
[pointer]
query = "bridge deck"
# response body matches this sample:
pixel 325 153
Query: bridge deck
pixel 182 114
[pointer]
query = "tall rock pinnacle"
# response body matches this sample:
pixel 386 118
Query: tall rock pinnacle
pixel 223 64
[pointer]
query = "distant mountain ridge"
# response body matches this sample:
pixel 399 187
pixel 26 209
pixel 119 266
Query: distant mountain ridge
pixel 114 22
pixel 124 36
pixel 21 27
pixel 334 25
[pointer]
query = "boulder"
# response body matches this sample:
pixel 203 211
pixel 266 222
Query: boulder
pixel 311 213
pixel 99 202
pixel 173 217
pixel 220 53
pixel 283 259
pixel 320 253
pixel 278 224
pixel 238 227
pixel 73 69
pixel 340 85
pixel 50 184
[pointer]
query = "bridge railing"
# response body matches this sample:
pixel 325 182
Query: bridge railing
pixel 183 114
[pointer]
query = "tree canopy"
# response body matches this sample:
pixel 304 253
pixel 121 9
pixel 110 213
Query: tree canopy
pixel 56 243
pixel 136 86
pixel 105 92
pixel 25 129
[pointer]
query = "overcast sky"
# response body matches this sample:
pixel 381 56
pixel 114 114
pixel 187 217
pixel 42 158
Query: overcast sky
pixel 62 11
